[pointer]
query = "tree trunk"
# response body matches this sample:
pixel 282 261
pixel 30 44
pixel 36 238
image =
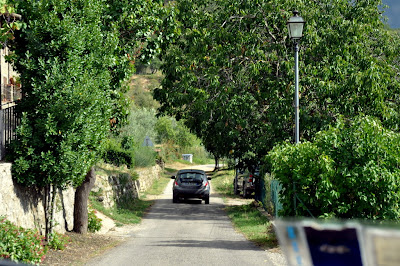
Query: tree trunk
pixel 52 209
pixel 81 203
pixel 47 202
pixel 216 168
pixel 50 205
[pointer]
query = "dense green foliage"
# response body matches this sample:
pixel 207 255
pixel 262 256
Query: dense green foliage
pixel 229 70
pixel 229 74
pixel 351 170
pixel 64 56
pixel 141 124
pixel 170 138
pixel 26 245
pixel 20 245
pixel 74 58
pixel 170 130
pixel 117 155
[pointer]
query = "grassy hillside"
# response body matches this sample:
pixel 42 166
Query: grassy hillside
pixel 141 87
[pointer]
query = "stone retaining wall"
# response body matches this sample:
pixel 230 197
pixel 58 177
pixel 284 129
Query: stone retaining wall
pixel 147 176
pixel 25 206
pixel 118 187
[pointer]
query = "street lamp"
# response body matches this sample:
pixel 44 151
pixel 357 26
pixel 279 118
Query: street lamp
pixel 295 27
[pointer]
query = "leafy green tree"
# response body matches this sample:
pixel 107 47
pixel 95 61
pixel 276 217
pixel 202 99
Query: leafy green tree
pixel 351 170
pixel 170 130
pixel 350 65
pixel 64 57
pixel 229 70
pixel 138 25
pixel 141 123
pixel 73 57
pixel 165 129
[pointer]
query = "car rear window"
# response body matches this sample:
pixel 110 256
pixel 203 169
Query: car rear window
pixel 191 177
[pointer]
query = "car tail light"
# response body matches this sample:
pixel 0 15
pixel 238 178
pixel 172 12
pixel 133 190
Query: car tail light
pixel 206 184
pixel 176 183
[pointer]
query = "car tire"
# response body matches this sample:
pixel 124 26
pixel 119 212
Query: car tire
pixel 207 200
pixel 174 199
pixel 235 187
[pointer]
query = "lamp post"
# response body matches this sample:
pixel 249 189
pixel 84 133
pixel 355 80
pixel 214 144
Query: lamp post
pixel 295 27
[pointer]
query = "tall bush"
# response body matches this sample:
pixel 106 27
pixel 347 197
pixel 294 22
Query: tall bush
pixel 64 58
pixel 351 170
pixel 73 57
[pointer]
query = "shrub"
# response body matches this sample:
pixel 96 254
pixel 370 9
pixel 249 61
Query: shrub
pixel 351 170
pixel 145 156
pixel 58 241
pixel 94 223
pixel 270 199
pixel 169 151
pixel 116 155
pixel 19 244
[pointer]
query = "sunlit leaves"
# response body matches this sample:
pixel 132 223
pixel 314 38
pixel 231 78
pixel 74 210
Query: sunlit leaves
pixel 352 169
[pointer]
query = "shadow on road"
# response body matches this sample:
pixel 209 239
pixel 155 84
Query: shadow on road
pixel 214 244
pixel 187 209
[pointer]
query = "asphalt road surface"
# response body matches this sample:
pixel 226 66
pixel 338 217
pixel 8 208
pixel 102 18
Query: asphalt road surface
pixel 187 233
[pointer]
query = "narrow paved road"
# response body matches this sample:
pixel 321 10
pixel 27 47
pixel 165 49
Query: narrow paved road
pixel 187 233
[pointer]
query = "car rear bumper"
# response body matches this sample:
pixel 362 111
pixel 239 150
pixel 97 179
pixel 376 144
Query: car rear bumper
pixel 201 193
pixel 250 187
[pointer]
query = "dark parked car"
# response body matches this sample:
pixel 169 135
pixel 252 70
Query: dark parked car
pixel 191 184
pixel 245 181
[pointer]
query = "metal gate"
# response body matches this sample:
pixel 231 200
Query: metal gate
pixel 8 124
